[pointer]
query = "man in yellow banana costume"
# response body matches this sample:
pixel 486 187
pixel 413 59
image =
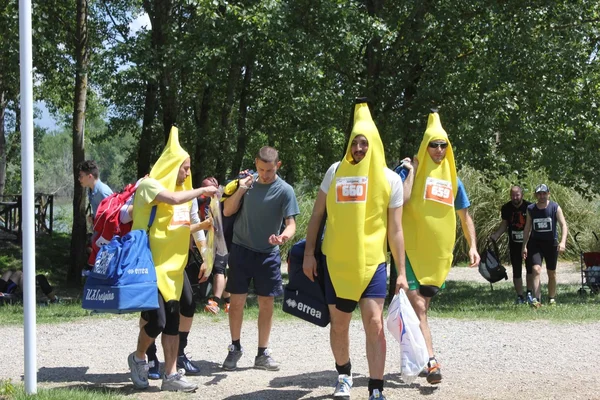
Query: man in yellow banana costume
pixel 169 188
pixel 363 200
pixel 433 198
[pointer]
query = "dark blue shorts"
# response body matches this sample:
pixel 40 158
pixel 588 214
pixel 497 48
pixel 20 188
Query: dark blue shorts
pixel 246 265
pixel 376 289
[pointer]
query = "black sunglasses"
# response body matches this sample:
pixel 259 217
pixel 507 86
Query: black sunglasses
pixel 436 145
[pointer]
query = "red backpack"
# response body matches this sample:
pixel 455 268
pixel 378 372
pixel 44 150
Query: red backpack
pixel 107 223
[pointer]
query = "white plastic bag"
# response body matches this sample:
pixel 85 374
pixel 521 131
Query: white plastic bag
pixel 403 324
pixel 216 248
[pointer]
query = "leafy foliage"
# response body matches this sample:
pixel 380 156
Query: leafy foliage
pixel 516 84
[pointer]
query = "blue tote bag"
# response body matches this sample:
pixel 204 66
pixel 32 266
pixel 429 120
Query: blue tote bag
pixel 123 279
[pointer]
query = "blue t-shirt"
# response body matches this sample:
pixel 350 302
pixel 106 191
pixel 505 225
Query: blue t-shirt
pixel 99 193
pixel 460 202
pixel 264 209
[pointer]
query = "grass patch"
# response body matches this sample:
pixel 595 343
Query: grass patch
pixel 472 300
pixel 51 256
pixel 12 314
pixel 10 391
pixel 460 299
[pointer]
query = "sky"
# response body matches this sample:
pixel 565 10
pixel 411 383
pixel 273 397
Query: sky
pixel 46 120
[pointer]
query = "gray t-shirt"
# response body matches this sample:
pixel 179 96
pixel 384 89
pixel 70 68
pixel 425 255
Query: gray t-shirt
pixel 263 210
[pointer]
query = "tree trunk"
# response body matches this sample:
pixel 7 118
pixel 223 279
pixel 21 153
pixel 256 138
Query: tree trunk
pixel 79 232
pixel 232 80
pixel 2 143
pixel 145 144
pixel 373 60
pixel 242 139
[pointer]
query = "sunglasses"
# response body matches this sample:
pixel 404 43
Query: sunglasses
pixel 436 145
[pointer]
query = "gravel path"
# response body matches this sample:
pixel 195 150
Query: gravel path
pixel 480 359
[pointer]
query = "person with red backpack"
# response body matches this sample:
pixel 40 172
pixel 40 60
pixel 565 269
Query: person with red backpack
pixel 112 218
pixel 88 176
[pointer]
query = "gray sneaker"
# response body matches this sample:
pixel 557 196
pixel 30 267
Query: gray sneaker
pixel 342 387
pixel 139 372
pixel 233 357
pixel 177 383
pixel 266 362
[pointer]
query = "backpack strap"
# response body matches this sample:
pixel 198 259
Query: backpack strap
pixel 323 223
pixel 152 216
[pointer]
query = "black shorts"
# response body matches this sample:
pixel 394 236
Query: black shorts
pixel 538 250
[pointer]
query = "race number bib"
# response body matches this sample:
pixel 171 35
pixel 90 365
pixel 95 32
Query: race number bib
pixel 181 216
pixel 517 236
pixel 542 224
pixel 351 189
pixel 440 191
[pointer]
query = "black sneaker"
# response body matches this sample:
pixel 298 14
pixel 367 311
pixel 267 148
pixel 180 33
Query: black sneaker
pixel 185 363
pixel 233 356
pixel 153 367
pixel 434 372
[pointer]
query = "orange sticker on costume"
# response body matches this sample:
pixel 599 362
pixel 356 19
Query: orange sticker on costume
pixel 181 216
pixel 440 191
pixel 351 189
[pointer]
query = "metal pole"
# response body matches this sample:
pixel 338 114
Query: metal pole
pixel 28 220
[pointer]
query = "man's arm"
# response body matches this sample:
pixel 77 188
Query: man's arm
pixel 501 229
pixel 309 264
pixel 201 226
pixel 175 198
pixel 410 178
pixel 232 203
pixel 526 233
pixel 201 246
pixel 563 230
pixel 396 241
pixel 468 228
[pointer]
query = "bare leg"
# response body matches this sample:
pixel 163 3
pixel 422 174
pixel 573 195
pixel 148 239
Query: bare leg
pixel 339 335
pixel 265 319
pixel 170 346
pixel 529 279
pixel 185 323
pixel 372 317
pixel 420 304
pixel 144 341
pixel 236 315
pixel 535 278
pixel 218 285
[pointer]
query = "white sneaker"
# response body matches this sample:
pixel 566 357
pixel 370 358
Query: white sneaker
pixel 139 372
pixel 342 387
pixel 177 383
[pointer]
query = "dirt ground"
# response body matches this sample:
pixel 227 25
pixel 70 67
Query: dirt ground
pixel 481 359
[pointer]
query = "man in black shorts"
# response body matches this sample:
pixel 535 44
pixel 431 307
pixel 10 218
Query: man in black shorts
pixel 540 241
pixel 514 215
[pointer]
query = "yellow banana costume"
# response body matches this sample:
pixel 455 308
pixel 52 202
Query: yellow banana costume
pixel 170 232
pixel 356 236
pixel 429 219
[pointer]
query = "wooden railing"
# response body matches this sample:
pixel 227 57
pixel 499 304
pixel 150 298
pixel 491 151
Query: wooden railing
pixel 11 213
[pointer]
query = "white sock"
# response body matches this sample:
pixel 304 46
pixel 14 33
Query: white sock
pixel 137 360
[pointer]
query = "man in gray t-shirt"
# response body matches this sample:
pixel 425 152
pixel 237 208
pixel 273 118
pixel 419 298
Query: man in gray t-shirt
pixel 254 254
